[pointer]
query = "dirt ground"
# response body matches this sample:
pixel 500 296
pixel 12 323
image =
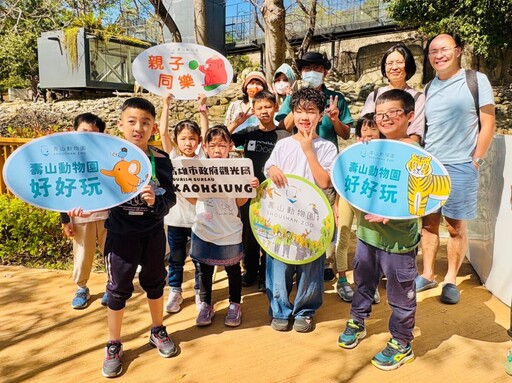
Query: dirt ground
pixel 43 340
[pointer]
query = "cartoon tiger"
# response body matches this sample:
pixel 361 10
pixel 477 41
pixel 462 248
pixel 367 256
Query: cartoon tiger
pixel 423 184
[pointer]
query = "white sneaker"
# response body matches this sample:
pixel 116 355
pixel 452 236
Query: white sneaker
pixel 376 297
pixel 197 300
pixel 174 301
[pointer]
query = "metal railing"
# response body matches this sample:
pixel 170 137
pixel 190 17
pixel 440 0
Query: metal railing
pixel 7 146
pixel 333 16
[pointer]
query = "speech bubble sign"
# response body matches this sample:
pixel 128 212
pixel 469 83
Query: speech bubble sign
pixel 94 171
pixel 293 224
pixel 391 179
pixel 183 69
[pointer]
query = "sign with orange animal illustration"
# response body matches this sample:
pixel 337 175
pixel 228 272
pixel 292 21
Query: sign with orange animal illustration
pixel 183 69
pixel 94 171
pixel 391 179
pixel 293 224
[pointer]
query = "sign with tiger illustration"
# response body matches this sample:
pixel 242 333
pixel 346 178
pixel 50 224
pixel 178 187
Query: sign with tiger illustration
pixel 391 179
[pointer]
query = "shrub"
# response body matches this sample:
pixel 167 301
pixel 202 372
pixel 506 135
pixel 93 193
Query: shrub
pixel 32 237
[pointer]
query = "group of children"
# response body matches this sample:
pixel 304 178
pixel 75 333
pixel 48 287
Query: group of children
pixel 135 230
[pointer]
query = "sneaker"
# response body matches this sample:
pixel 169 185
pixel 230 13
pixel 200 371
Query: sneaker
pixel 303 324
pixel 508 363
pixel 279 324
pixel 197 300
pixel 450 294
pixel 393 356
pixel 354 332
pixel 329 275
pixel 261 285
pixel 80 299
pixel 345 292
pixel 104 299
pixel 234 315
pixel 206 313
pixel 174 300
pixel 248 280
pixel 112 365
pixel 163 343
pixel 376 296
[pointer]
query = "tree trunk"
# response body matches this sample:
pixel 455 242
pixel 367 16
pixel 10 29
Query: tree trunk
pixel 311 13
pixel 163 13
pixel 200 22
pixel 274 15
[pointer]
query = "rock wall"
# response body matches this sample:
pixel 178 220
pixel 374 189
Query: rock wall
pixel 29 115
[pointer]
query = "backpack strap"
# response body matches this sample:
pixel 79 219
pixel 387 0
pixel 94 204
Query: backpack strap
pixel 472 82
pixel 425 90
pixel 416 96
pixel 375 93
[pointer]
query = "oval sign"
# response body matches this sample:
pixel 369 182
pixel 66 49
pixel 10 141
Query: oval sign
pixel 391 179
pixel 293 224
pixel 183 69
pixel 94 171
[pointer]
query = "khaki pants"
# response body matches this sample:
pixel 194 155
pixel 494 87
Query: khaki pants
pixel 345 219
pixel 84 248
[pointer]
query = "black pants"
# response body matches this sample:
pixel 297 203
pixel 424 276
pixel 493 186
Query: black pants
pixel 206 280
pixel 254 262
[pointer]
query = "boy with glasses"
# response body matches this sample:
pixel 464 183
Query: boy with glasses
pixel 386 247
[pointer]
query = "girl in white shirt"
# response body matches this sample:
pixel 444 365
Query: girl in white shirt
pixel 217 237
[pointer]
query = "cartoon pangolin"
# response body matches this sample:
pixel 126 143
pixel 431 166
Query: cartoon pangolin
pixel 125 174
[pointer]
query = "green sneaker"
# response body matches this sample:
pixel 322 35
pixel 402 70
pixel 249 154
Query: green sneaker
pixel 393 356
pixel 353 332
pixel 508 363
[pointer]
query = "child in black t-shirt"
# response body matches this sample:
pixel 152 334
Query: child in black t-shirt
pixel 258 142
pixel 135 236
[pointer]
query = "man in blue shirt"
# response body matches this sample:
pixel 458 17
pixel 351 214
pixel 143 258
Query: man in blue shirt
pixel 459 136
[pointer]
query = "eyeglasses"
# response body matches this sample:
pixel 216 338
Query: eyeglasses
pixel 399 64
pixel 444 51
pixel 389 114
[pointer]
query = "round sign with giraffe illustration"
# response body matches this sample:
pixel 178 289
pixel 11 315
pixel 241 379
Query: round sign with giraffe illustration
pixel 293 224
pixel 94 171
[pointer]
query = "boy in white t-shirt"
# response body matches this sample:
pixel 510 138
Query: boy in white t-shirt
pixel 307 155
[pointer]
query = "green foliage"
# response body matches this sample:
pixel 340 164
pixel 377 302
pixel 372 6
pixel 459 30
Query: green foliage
pixel 37 131
pixel 486 25
pixel 239 63
pixel 32 237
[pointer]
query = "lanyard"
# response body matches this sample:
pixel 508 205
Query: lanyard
pixel 152 159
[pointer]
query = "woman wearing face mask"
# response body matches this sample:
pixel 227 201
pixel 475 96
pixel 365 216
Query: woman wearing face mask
pixel 239 114
pixel 398 66
pixel 284 81
pixel 336 121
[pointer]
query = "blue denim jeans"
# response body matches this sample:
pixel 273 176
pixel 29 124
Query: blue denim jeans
pixel 177 237
pixel 310 288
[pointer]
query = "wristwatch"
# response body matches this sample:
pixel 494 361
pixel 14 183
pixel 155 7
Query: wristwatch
pixel 479 161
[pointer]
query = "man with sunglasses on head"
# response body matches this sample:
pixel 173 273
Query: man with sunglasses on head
pixel 459 134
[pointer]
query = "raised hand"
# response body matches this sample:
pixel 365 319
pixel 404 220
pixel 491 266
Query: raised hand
pixel 332 111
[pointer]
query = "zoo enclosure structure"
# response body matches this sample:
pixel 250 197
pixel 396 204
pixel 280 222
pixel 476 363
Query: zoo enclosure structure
pixel 76 58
